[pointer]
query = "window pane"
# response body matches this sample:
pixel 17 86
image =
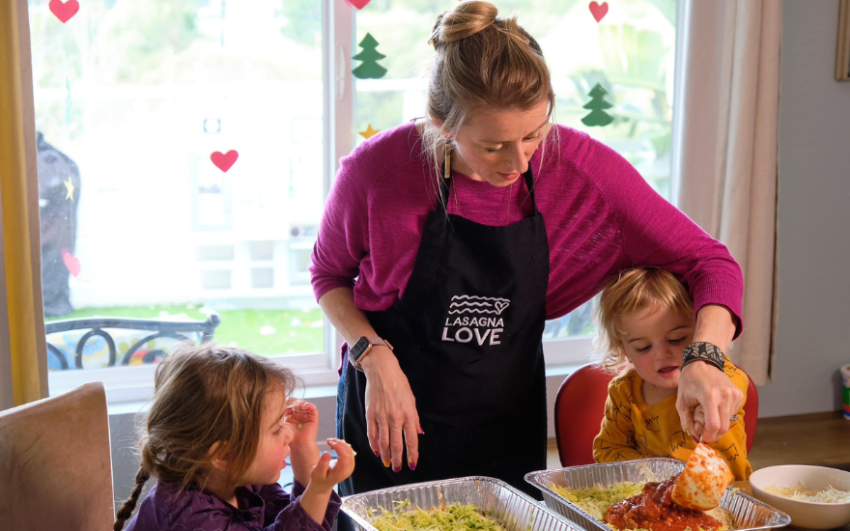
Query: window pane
pixel 180 168
pixel 580 322
pixel 630 53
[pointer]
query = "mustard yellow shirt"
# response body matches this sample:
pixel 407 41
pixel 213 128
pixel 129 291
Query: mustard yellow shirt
pixel 631 429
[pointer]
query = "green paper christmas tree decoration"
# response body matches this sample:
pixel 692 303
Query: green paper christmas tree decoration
pixel 597 106
pixel 369 68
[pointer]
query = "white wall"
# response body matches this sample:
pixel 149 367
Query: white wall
pixel 814 217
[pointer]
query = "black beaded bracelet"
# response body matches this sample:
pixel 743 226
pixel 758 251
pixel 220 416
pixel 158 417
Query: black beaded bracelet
pixel 703 351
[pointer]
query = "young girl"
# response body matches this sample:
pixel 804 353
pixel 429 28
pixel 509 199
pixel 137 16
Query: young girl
pixel 646 319
pixel 220 427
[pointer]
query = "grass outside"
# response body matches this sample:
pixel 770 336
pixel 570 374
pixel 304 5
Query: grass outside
pixel 266 332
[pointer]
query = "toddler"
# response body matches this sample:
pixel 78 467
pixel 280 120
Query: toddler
pixel 646 319
pixel 221 425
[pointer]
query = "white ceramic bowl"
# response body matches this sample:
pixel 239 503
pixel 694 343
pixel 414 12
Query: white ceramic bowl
pixel 804 514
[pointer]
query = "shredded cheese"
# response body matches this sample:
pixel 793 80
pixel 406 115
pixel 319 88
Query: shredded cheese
pixel 801 493
pixel 451 517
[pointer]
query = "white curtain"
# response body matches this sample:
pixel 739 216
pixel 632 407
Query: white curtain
pixel 726 139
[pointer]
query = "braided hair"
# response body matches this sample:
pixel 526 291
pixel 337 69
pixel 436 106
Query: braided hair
pixel 204 395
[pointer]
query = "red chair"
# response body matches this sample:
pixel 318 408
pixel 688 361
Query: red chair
pixel 580 406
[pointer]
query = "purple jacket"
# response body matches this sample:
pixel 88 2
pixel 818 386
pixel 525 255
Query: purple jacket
pixel 267 507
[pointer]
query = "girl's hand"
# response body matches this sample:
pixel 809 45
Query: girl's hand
pixel 303 419
pixel 324 475
pixel 323 478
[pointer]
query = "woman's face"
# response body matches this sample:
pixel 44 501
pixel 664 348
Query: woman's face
pixel 496 145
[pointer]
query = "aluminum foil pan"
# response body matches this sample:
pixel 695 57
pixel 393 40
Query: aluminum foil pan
pixel 748 512
pixel 515 510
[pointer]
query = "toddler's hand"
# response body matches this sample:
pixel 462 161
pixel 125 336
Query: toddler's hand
pixel 325 476
pixel 303 419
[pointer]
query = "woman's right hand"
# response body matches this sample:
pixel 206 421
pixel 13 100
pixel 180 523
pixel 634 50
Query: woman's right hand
pixel 391 416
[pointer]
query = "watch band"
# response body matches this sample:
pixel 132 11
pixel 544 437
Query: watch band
pixel 704 351
pixel 373 341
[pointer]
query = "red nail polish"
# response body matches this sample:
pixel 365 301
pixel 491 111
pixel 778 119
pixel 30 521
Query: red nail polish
pixel 377 454
pixel 396 469
pixel 412 466
pixel 421 431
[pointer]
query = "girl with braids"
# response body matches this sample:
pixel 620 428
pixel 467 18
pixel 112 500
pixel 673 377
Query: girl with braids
pixel 220 426
pixel 434 262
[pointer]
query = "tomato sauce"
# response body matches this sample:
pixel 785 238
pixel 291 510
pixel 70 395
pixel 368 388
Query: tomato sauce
pixel 654 509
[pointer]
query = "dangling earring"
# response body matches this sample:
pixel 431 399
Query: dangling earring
pixel 447 150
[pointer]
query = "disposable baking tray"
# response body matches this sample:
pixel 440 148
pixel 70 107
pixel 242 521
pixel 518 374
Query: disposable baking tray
pixel 748 512
pixel 515 510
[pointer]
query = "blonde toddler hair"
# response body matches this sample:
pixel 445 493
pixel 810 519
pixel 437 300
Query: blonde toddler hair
pixel 633 291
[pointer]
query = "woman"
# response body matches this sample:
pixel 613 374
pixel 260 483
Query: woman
pixel 465 231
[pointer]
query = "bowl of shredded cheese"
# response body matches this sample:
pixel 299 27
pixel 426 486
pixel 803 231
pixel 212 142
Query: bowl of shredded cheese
pixel 815 497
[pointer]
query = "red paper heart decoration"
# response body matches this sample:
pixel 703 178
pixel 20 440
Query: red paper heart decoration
pixel 64 10
pixel 71 262
pixel 359 4
pixel 224 161
pixel 599 11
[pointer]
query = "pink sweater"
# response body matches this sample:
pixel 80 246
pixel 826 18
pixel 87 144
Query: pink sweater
pixel 600 217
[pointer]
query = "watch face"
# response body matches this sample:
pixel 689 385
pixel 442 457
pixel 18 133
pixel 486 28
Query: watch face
pixel 358 348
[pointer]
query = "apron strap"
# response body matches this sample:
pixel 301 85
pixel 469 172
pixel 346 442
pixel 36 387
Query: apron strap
pixel 529 184
pixel 446 186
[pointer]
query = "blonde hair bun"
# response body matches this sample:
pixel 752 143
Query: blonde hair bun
pixel 465 20
pixel 482 61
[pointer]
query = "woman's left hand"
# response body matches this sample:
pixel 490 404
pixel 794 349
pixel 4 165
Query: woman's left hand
pixel 303 419
pixel 701 384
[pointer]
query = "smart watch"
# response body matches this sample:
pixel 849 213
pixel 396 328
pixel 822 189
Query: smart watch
pixel 363 347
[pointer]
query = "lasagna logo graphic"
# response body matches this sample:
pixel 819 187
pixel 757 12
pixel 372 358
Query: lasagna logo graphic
pixel 473 318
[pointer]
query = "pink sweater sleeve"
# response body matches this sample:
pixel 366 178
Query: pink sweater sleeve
pixel 656 233
pixel 343 238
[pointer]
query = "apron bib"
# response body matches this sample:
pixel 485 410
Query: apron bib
pixel 467 333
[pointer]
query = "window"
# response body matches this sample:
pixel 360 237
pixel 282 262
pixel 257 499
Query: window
pixel 185 148
pixel 181 174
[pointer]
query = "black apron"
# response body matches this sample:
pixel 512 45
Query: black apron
pixel 467 333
